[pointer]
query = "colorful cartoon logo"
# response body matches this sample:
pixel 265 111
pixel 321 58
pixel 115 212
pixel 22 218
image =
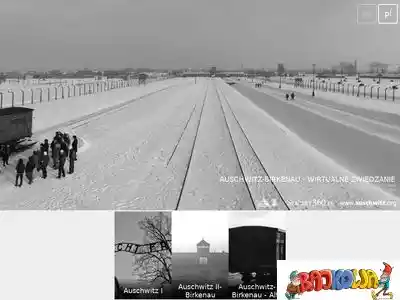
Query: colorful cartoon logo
pixel 341 279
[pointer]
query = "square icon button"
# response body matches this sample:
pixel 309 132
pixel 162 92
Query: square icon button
pixel 367 14
pixel 388 13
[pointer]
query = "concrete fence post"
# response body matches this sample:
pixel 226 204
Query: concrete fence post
pixel 385 93
pixel 32 95
pixel 394 96
pixel 23 97
pixel 41 95
pixel 370 94
pixel 62 92
pixel 12 97
pixel 1 99
pixel 48 94
pixel 55 93
pixel 378 91
pixel 365 88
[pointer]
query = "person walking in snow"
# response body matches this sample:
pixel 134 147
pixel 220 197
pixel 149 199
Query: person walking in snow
pixel 46 146
pixel 64 147
pixel 20 169
pixel 30 166
pixel 61 164
pixel 292 95
pixel 36 160
pixel 67 139
pixel 44 164
pixel 56 153
pixel 5 154
pixel 75 146
pixel 72 157
pixel 287 96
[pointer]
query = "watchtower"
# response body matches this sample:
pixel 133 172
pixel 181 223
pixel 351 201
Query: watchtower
pixel 203 252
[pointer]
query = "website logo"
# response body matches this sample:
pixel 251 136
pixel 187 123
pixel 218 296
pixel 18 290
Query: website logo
pixel 336 280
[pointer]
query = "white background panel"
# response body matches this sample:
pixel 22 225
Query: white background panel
pixel 331 235
pixel 56 255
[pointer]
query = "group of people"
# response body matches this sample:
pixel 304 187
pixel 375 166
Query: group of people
pixel 292 96
pixel 56 153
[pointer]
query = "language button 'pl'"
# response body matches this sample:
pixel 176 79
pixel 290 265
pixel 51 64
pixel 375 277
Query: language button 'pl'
pixel 388 13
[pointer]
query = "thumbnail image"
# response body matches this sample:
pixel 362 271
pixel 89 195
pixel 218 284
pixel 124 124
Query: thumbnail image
pixel 257 239
pixel 200 254
pixel 142 255
pixel 338 279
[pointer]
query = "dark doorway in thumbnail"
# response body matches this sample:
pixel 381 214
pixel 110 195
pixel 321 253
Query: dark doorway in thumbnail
pixel 257 240
pixel 143 252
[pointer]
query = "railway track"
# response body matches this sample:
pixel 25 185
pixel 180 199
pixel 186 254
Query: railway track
pixel 191 152
pixel 267 192
pixel 262 195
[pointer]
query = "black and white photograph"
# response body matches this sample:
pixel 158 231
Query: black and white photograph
pixel 143 249
pixel 200 255
pixel 257 240
pixel 199 105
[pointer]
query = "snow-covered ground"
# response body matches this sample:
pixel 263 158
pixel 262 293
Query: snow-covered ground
pixel 360 102
pixel 185 146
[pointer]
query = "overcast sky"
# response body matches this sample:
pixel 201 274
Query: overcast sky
pixel 189 227
pixel 189 33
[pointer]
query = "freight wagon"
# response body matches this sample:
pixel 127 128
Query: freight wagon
pixel 15 125
pixel 256 249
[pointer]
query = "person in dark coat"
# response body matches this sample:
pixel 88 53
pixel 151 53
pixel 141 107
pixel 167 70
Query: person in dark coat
pixel 287 96
pixel 30 166
pixel 292 95
pixel 5 154
pixel 64 147
pixel 36 160
pixel 44 164
pixel 67 139
pixel 56 153
pixel 71 161
pixel 20 172
pixel 75 146
pixel 46 146
pixel 61 164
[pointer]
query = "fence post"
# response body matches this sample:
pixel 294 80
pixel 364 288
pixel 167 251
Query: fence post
pixel 1 99
pixel 41 95
pixel 23 97
pixel 378 91
pixel 365 87
pixel 12 97
pixel 394 95
pixel 55 92
pixel 48 94
pixel 385 92
pixel 32 95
